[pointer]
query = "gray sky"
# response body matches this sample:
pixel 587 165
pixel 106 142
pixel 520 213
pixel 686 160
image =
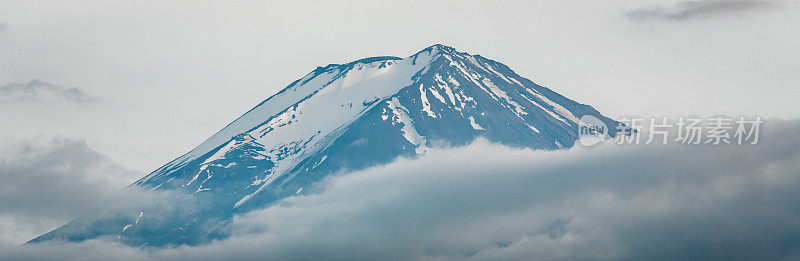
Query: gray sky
pixel 145 81
pixel 94 94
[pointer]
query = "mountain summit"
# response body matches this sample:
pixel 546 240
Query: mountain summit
pixel 339 117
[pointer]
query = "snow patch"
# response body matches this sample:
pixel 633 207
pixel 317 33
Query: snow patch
pixel 502 94
pixel 474 124
pixel 552 114
pixel 426 105
pixel 557 107
pixel 409 132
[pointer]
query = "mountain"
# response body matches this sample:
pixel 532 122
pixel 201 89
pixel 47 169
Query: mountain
pixel 338 117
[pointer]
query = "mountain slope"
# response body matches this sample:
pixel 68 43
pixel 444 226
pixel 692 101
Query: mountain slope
pixel 340 117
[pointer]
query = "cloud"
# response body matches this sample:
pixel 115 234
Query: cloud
pixel 486 201
pixel 44 183
pixel 3 27
pixel 686 10
pixel 40 91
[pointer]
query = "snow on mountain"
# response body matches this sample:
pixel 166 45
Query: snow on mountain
pixel 342 117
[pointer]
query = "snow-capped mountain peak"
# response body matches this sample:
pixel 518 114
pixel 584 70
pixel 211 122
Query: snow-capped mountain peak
pixel 347 117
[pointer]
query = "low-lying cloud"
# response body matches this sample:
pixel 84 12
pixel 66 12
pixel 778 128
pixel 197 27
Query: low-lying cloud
pixel 686 10
pixel 486 201
pixel 40 91
pixel 44 183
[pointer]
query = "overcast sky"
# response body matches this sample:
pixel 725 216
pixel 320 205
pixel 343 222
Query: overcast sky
pixel 95 94
pixel 145 81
